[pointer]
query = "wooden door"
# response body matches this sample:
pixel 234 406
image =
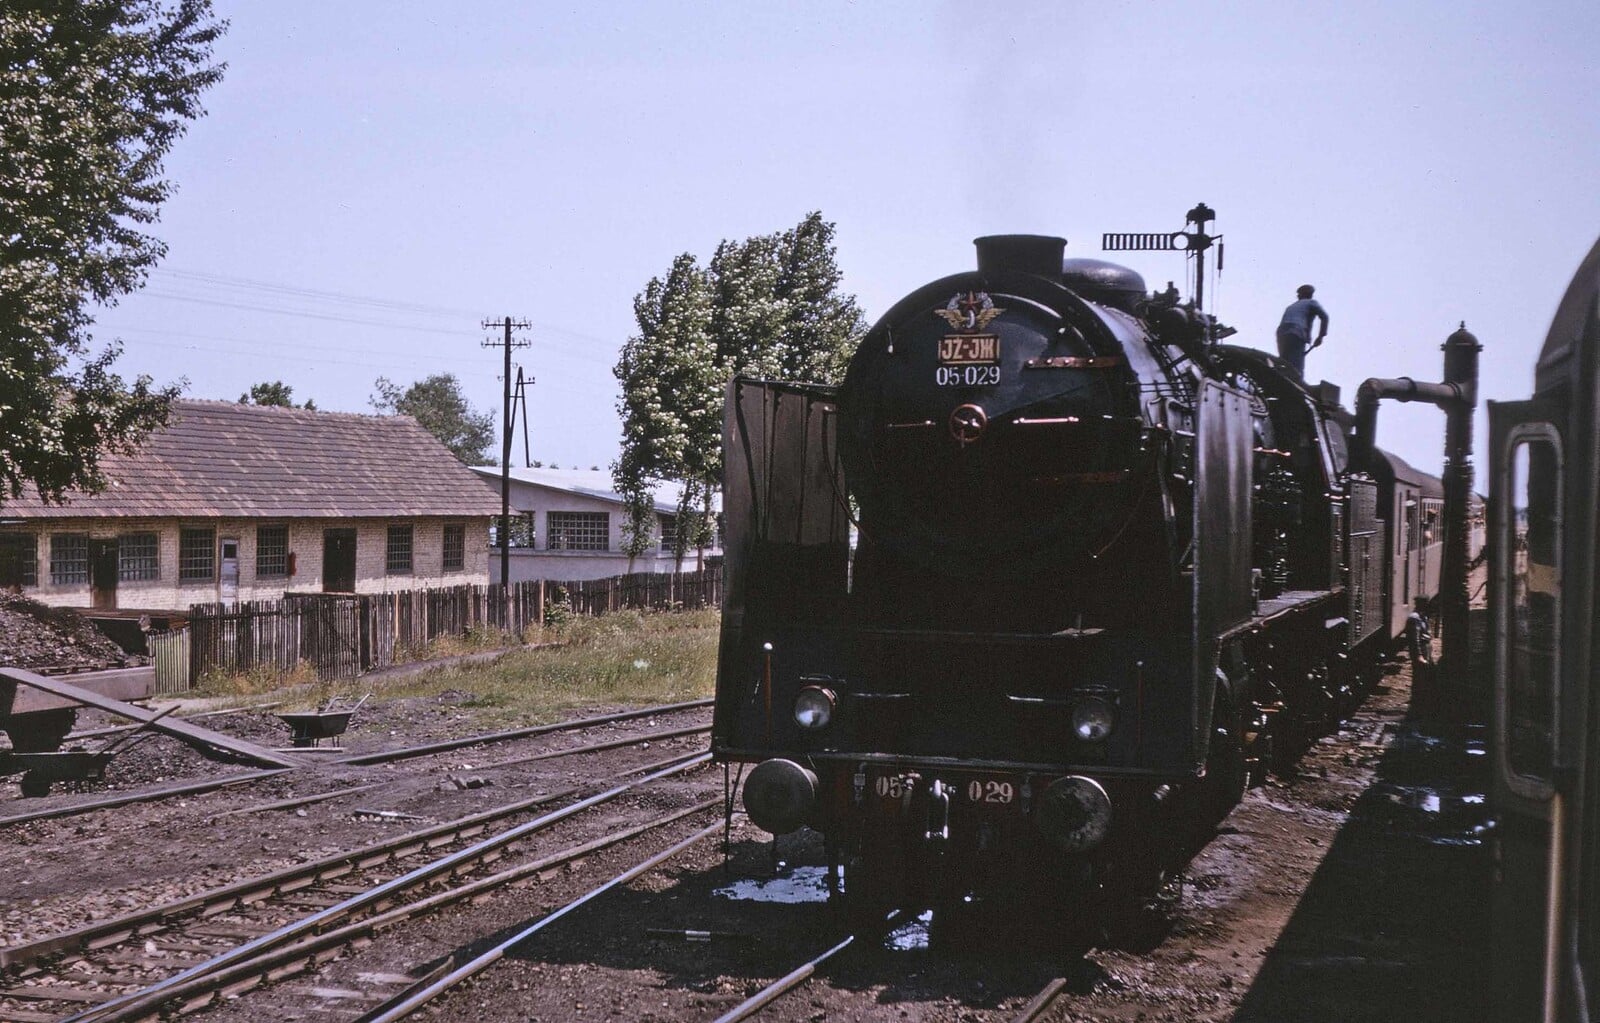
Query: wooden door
pixel 338 561
pixel 103 575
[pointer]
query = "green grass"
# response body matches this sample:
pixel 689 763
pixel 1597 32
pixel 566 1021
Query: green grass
pixel 624 658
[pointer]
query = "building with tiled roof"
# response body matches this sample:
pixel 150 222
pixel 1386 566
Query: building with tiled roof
pixel 246 502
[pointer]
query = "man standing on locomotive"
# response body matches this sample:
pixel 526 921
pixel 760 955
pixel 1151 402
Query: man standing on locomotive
pixel 1294 330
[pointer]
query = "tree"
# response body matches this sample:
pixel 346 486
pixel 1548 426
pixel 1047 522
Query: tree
pixel 767 306
pixel 439 406
pixel 671 399
pixel 276 393
pixel 93 94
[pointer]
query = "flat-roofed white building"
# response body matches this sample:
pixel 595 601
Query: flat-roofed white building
pixel 569 526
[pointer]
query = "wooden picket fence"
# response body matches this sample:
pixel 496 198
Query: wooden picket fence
pixel 655 590
pixel 341 635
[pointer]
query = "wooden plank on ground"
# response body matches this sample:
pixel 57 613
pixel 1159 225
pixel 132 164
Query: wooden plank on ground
pixel 117 683
pixel 53 993
pixel 193 734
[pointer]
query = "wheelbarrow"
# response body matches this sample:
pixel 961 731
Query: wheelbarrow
pixel 308 728
pixel 42 770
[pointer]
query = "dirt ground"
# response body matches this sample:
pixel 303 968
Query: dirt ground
pixel 1349 892
pixel 1343 894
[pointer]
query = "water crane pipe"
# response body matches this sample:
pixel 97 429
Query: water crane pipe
pixel 1457 395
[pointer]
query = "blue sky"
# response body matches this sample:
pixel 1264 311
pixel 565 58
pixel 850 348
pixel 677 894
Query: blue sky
pixel 1421 164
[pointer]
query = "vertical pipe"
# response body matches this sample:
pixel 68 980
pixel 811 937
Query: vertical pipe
pixel 1461 371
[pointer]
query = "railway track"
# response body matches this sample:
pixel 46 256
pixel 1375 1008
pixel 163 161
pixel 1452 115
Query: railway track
pixel 511 735
pixel 458 969
pixel 1041 1001
pixel 196 788
pixel 284 920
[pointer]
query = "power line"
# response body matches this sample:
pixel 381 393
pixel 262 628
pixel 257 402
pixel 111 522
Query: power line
pixel 301 313
pixel 248 284
pixel 266 355
pixel 169 296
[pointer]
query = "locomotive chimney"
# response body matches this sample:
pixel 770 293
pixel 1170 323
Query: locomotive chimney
pixel 1038 254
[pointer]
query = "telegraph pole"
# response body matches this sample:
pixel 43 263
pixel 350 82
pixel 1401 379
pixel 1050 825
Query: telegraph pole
pixel 521 402
pixel 507 324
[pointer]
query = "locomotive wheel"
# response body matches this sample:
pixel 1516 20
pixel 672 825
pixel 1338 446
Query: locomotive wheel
pixel 1138 919
pixel 869 893
pixel 1227 769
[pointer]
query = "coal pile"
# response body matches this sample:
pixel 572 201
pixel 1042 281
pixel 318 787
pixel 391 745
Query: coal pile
pixel 36 637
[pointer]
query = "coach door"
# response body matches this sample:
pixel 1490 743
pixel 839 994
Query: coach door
pixel 1526 498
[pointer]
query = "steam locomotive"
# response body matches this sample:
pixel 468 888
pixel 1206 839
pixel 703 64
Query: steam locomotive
pixel 1105 569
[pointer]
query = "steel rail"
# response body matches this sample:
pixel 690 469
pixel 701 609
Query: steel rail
pixel 109 932
pixel 406 753
pixel 309 952
pixel 408 1002
pixel 96 733
pixel 128 1006
pixel 783 985
pixel 1041 1001
pixel 596 747
pixel 143 796
pixel 289 804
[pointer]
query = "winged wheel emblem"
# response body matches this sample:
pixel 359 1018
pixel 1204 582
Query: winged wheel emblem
pixel 969 311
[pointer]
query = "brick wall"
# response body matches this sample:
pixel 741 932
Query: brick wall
pixel 305 536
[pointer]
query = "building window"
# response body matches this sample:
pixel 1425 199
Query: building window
pixel 668 526
pixel 197 555
pixel 522 531
pixel 397 556
pixel 69 558
pixel 19 559
pixel 137 558
pixel 579 531
pixel 272 552
pixel 455 546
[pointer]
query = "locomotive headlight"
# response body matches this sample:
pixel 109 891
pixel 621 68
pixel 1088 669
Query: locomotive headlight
pixel 813 708
pixel 1092 718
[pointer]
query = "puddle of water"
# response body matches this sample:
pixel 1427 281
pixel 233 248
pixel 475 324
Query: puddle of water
pixel 796 885
pixel 911 936
pixel 1413 798
pixel 1437 816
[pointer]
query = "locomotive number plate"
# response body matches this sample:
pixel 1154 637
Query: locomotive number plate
pixel 999 792
pixel 894 787
pixel 969 350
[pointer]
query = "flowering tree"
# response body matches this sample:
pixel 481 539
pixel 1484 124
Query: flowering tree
pixel 768 306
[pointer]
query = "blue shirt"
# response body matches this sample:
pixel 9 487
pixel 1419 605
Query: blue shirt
pixel 1297 318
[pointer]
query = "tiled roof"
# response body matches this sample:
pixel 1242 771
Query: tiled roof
pixel 220 459
pixel 595 483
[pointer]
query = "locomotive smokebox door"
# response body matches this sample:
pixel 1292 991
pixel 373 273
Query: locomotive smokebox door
pixel 786 561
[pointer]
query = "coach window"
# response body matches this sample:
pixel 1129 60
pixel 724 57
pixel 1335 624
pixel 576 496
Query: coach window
pixel 1533 624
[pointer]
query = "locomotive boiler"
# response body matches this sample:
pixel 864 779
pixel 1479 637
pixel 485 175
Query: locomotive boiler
pixel 1023 603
